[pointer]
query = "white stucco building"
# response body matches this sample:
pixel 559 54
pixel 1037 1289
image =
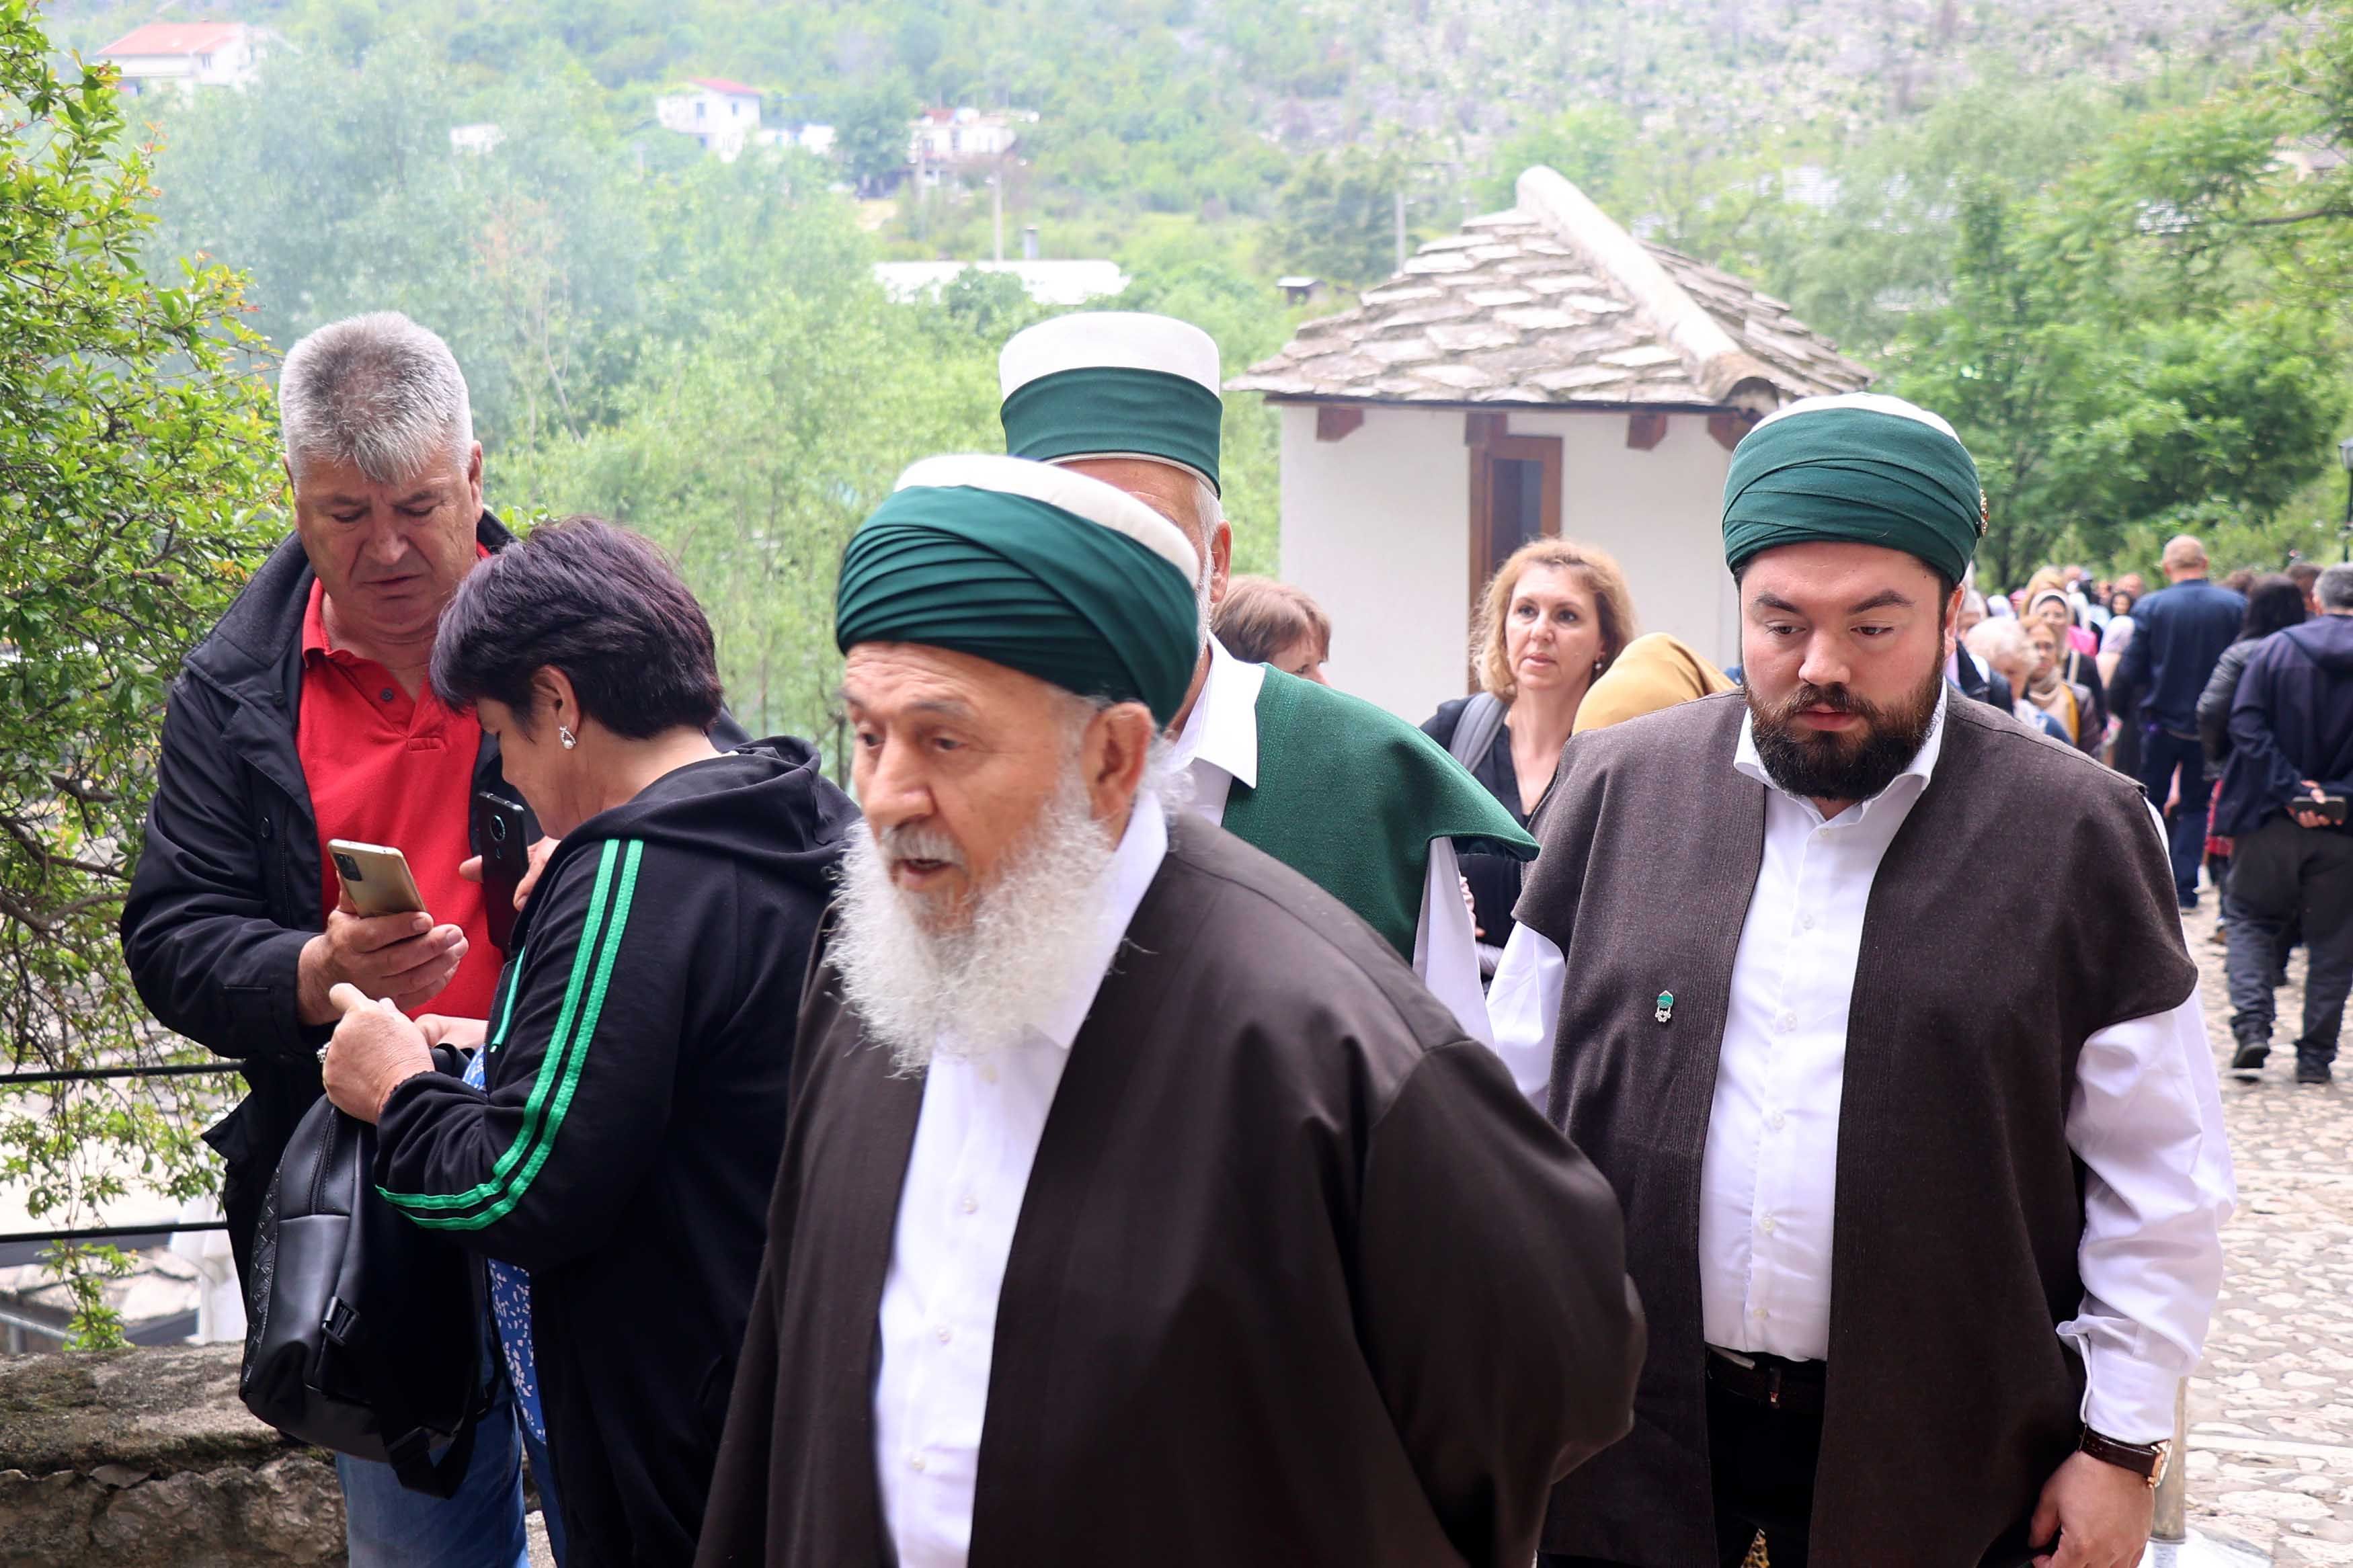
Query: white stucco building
pixel 1057 283
pixel 721 115
pixel 1541 372
pixel 186 56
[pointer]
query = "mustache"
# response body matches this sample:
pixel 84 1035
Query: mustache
pixel 1834 699
pixel 919 841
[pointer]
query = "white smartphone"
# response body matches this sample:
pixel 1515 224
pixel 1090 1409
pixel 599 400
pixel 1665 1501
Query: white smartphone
pixel 375 878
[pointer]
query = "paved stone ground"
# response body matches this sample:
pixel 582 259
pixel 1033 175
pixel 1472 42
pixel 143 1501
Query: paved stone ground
pixel 2271 1412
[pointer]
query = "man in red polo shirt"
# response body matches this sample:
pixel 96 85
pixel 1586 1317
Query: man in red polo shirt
pixel 305 717
pixel 385 759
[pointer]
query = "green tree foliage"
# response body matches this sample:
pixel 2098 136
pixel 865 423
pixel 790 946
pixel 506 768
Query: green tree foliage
pixel 2103 429
pixel 1593 145
pixel 752 451
pixel 1336 217
pixel 133 486
pixel 871 138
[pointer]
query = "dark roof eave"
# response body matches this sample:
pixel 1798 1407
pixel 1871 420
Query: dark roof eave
pixel 1467 405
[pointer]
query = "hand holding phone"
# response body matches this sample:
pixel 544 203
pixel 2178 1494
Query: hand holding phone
pixel 375 879
pixel 2318 810
pixel 499 826
pixel 374 943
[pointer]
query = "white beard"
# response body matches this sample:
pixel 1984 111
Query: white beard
pixel 1025 943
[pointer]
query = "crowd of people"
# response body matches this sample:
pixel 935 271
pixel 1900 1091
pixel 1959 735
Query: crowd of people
pixel 1171 1112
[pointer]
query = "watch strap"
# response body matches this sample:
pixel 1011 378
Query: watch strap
pixel 2146 1460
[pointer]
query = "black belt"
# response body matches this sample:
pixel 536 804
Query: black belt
pixel 1769 1380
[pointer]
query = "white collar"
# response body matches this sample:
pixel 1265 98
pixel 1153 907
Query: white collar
pixel 1123 881
pixel 1222 728
pixel 1906 784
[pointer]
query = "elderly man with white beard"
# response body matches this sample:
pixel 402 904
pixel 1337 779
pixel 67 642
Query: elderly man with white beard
pixel 1138 1204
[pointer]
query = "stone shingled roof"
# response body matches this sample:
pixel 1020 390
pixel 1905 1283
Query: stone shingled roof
pixel 1553 303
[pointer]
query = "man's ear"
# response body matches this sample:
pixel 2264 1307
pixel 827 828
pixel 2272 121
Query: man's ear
pixel 1221 560
pixel 1118 743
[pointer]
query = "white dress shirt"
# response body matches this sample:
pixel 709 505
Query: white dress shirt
pixel 1218 744
pixel 976 1139
pixel 2146 1119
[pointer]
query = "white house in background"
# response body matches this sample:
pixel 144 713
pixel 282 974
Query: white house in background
pixel 186 56
pixel 950 142
pixel 1060 283
pixel 721 115
pixel 480 138
pixel 1541 372
pixel 816 139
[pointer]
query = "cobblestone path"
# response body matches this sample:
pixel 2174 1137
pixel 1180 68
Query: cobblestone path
pixel 2271 1412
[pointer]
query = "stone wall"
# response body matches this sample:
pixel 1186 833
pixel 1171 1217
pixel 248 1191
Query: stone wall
pixel 145 1458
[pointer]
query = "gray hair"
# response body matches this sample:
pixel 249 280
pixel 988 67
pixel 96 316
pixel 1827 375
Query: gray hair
pixel 1999 641
pixel 2335 589
pixel 378 393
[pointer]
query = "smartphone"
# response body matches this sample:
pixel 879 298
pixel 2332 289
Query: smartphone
pixel 2332 809
pixel 499 827
pixel 375 878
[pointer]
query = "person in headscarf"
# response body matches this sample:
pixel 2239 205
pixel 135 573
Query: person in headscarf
pixel 1138 1205
pixel 2073 667
pixel 1346 793
pixel 2068 703
pixel 1925 1248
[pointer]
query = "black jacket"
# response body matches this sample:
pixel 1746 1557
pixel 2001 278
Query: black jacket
pixel 1984 685
pixel 2214 705
pixel 2291 721
pixel 1495 878
pixel 226 888
pixel 623 1147
pixel 2179 633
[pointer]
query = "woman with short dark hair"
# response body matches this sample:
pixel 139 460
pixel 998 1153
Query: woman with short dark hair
pixel 612 1146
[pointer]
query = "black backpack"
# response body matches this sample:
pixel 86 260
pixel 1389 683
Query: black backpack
pixel 364 1333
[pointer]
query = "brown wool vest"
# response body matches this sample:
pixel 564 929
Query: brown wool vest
pixel 2025 905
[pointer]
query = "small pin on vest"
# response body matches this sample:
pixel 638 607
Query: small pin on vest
pixel 1666 1006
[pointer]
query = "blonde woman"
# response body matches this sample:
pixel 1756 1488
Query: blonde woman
pixel 1553 618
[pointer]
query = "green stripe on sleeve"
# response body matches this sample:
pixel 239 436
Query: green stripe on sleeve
pixel 550 1067
pixel 575 1057
pixel 506 1013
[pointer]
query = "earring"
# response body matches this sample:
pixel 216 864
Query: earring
pixel 568 737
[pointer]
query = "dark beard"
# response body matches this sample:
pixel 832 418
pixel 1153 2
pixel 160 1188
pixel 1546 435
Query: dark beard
pixel 1823 765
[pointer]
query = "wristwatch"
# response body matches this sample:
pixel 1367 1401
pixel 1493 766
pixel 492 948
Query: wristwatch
pixel 2147 1460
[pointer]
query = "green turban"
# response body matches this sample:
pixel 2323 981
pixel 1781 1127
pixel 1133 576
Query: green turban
pixel 1087 594
pixel 1861 470
pixel 1112 384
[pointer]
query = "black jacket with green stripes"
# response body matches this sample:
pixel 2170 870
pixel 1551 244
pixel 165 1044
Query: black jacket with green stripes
pixel 626 1137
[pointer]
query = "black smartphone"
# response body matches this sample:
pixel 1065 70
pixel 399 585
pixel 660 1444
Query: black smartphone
pixel 2332 809
pixel 499 827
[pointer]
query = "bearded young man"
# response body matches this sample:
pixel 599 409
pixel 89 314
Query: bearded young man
pixel 1137 1204
pixel 1925 1248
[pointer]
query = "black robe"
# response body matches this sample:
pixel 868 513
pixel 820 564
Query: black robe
pixel 1299 1277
